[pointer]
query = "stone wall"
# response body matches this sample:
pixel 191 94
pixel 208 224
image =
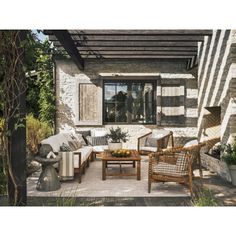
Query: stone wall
pixel 216 86
pixel 68 79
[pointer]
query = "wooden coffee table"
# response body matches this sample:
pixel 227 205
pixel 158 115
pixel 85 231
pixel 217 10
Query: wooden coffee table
pixel 108 159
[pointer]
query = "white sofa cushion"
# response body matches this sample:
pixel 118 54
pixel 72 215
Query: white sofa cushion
pixel 54 141
pixel 100 148
pixel 191 143
pixel 85 152
pixel 159 133
pixel 149 149
pixel 98 132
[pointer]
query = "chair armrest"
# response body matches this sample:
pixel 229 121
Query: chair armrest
pixel 140 139
pixel 172 150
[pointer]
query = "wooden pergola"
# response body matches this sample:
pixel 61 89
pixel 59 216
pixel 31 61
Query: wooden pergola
pixel 83 45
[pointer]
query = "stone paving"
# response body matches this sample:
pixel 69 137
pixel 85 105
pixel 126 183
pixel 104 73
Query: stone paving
pixel 92 185
pixel 127 191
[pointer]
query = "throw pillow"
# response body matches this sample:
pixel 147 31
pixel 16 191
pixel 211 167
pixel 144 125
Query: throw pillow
pixel 182 162
pixel 65 148
pixel 75 145
pixel 97 141
pixel 80 139
pixel 84 134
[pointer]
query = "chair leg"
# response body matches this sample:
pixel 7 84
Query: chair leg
pixel 80 176
pixel 190 185
pixel 149 184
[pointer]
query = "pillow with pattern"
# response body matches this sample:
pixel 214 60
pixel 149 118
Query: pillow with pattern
pixel 74 145
pixel 65 148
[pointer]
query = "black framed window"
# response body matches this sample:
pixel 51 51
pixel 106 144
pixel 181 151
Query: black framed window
pixel 129 102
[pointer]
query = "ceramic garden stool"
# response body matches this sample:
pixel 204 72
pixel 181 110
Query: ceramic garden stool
pixel 48 179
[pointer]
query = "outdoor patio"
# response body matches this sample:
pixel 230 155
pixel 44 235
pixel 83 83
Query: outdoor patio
pixel 127 190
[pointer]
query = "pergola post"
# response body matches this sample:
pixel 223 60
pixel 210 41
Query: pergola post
pixel 17 139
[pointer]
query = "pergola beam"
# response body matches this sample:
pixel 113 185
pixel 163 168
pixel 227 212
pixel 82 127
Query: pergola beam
pixel 94 56
pixel 68 44
pixel 170 53
pixel 141 32
pixel 142 38
pixel 157 48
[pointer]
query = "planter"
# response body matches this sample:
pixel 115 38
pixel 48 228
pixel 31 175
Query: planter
pixel 232 171
pixel 114 146
pixel 216 166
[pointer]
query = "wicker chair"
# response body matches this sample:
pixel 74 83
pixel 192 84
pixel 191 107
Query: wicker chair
pixel 154 141
pixel 173 165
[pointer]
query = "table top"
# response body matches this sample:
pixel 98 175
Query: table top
pixel 47 160
pixel 133 157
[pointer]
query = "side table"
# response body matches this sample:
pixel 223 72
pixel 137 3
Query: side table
pixel 48 179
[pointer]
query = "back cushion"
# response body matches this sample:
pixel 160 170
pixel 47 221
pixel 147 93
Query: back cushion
pixel 97 141
pixel 151 142
pixel 182 162
pixel 80 138
pixel 98 133
pixel 75 145
pixel 65 148
pixel 84 134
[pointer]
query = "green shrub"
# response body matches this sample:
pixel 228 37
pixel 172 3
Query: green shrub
pixel 229 155
pixel 204 198
pixel 36 131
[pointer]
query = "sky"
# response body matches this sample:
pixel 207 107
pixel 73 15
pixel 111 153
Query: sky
pixel 42 37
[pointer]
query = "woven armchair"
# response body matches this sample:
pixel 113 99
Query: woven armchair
pixel 173 165
pixel 154 141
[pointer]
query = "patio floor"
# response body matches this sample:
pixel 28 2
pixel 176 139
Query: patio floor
pixel 128 191
pixel 92 185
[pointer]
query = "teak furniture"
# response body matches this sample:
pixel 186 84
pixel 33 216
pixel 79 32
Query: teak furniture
pixel 173 165
pixel 160 140
pixel 108 159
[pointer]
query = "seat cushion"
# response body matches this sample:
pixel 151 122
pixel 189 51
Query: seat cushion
pixel 85 153
pixel 168 169
pixel 148 149
pixel 191 143
pixel 100 148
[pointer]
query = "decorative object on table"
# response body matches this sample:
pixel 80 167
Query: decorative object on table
pixel 116 136
pixel 133 159
pixel 229 156
pixel 121 153
pixel 48 179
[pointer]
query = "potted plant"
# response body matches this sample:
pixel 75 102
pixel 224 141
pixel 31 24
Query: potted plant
pixel 115 137
pixel 229 156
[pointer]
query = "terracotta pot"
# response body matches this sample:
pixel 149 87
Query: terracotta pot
pixel 114 146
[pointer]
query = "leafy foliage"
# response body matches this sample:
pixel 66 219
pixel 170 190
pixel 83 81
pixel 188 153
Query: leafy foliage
pixel 116 135
pixel 205 198
pixel 229 155
pixel 36 131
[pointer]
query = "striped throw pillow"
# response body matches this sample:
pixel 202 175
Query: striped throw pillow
pixel 97 141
